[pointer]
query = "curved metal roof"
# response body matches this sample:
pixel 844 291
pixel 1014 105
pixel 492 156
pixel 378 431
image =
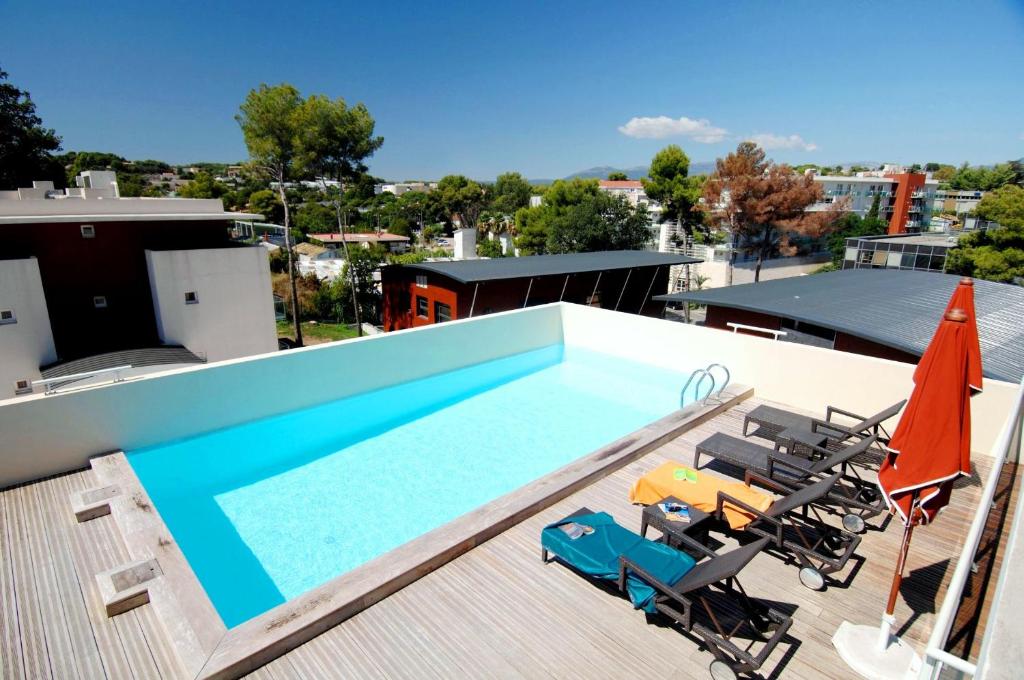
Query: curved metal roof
pixel 896 308
pixel 473 271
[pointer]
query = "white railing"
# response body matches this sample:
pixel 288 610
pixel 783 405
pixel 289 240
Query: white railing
pixel 936 656
pixel 757 329
pixel 62 380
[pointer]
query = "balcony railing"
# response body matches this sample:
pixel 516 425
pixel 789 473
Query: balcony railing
pixel 1008 447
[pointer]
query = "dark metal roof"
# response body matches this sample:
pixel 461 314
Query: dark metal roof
pixel 896 308
pixel 473 271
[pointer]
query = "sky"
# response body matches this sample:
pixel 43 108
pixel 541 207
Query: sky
pixel 545 89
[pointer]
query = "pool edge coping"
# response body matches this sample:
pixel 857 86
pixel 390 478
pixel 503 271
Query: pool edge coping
pixel 207 649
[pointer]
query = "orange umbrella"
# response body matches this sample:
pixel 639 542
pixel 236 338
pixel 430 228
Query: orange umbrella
pixel 963 298
pixel 931 446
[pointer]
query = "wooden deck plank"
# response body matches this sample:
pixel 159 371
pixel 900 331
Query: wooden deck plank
pixel 58 632
pixel 30 615
pixel 57 520
pixel 10 627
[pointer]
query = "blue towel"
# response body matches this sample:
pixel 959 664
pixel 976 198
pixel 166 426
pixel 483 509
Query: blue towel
pixel 597 555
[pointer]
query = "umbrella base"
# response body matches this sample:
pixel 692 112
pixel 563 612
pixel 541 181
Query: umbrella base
pixel 858 646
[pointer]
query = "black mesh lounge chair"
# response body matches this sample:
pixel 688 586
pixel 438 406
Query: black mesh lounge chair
pixel 858 498
pixel 707 602
pixel 794 527
pixel 771 421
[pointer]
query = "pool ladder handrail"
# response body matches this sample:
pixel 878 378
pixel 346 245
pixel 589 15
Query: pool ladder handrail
pixel 705 373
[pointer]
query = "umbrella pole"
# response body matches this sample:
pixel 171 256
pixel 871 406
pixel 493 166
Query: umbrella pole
pixel 885 631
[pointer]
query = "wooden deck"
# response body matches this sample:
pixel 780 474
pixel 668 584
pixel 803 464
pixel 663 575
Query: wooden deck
pixel 497 611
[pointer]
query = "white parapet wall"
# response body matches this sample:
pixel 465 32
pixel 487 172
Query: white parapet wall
pixel 800 376
pixel 44 435
pixel 216 302
pixel 26 340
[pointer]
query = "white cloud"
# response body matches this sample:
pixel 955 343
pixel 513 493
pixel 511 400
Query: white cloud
pixel 659 127
pixel 770 141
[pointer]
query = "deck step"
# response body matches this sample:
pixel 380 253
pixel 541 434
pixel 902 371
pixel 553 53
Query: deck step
pixel 126 586
pixel 94 502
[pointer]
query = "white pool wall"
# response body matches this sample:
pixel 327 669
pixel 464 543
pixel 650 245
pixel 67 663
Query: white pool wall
pixel 796 375
pixel 43 435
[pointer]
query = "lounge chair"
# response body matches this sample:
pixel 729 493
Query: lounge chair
pixel 771 421
pixel 705 598
pixel 795 528
pixel 791 522
pixel 858 498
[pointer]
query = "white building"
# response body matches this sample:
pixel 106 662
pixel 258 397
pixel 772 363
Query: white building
pixel 90 281
pixel 399 188
pixel 905 199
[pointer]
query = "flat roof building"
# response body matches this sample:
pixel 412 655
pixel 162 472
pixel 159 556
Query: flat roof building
pixel 920 252
pixel 84 272
pixel 432 292
pixel 905 198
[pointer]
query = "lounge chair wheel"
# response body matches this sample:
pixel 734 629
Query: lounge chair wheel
pixel 834 542
pixel 812 578
pixel 720 670
pixel 761 623
pixel 868 495
pixel 853 523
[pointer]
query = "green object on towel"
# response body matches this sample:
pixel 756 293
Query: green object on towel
pixel 597 554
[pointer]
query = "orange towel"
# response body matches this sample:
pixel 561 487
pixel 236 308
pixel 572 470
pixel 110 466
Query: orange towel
pixel 671 480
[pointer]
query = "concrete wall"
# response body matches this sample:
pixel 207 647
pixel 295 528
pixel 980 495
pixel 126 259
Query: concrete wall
pixel 49 434
pixel 26 344
pixel 45 435
pixel 234 315
pixel 801 376
pixel 781 268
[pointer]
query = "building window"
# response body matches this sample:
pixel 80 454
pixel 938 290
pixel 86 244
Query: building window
pixel 442 312
pixel 22 387
pixel 421 307
pixel 88 231
pixel 7 316
pixel 421 280
pixel 191 298
pixel 99 301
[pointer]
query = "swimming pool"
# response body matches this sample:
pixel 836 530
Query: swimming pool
pixel 266 510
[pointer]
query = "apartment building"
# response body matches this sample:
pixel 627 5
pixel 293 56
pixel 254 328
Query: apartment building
pixel 85 274
pixel 906 198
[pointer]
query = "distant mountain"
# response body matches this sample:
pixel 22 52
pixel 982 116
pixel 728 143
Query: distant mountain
pixel 638 172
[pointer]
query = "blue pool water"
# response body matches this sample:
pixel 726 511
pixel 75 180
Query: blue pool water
pixel 266 510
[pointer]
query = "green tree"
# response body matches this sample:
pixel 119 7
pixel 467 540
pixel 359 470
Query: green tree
pixel 599 222
pixel 617 176
pixel 359 283
pixel 267 118
pixel 26 147
pixel 203 186
pixel 314 218
pixel 576 216
pixel 420 207
pixel 994 254
pixel 876 206
pixel 851 225
pixel 669 183
pixel 510 193
pixel 461 197
pixel 333 142
pixel 488 248
pixel 267 203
